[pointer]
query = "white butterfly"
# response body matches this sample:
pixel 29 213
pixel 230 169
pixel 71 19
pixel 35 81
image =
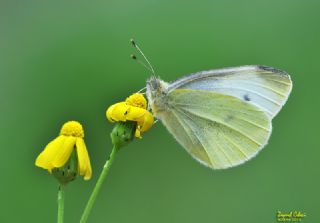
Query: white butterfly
pixel 221 117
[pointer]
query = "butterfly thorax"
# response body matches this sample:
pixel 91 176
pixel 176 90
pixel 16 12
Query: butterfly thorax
pixel 157 91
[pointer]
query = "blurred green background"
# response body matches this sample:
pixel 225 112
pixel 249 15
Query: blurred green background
pixel 63 60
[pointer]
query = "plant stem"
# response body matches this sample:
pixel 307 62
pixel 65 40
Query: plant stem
pixel 98 185
pixel 60 203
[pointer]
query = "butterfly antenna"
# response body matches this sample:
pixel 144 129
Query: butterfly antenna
pixel 135 45
pixel 141 90
pixel 134 57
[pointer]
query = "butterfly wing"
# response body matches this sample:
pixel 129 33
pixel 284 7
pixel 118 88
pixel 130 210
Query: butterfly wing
pixel 218 130
pixel 265 87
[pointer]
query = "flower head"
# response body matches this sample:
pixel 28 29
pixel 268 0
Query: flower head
pixel 137 100
pixel 58 152
pixel 134 108
pixel 72 128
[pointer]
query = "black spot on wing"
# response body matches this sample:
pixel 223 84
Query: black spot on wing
pixel 246 97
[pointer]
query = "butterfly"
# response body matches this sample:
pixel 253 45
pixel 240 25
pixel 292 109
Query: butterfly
pixel 221 117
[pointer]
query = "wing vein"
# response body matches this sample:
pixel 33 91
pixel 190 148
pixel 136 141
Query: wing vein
pixel 254 92
pixel 266 87
pixel 200 140
pixel 226 125
pixel 182 124
pixel 235 145
pixel 220 108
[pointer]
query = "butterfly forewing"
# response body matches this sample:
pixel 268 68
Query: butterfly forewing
pixel 265 87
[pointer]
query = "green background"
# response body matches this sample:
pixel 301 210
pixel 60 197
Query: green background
pixel 63 60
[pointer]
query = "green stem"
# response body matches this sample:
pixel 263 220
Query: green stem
pixel 99 183
pixel 60 203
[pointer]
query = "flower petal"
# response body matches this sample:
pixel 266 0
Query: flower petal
pixel 83 159
pixel 118 112
pixel 109 113
pixel 137 133
pixel 64 151
pixel 136 114
pixel 88 174
pixel 45 158
pixel 148 121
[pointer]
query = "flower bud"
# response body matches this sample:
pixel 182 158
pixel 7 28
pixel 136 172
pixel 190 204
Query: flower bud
pixel 123 133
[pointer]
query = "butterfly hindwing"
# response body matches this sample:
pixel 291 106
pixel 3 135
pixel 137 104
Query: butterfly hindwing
pixel 185 136
pixel 218 130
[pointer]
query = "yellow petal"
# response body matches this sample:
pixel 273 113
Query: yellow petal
pixel 137 133
pixel 109 113
pixel 118 111
pixel 147 122
pixel 64 151
pixel 135 114
pixel 143 118
pixel 88 174
pixel 45 158
pixel 83 159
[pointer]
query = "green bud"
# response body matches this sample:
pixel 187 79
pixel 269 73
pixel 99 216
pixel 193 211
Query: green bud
pixel 69 171
pixel 123 133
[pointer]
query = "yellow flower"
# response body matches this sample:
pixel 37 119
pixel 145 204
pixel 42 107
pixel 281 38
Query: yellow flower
pixel 134 108
pixel 58 151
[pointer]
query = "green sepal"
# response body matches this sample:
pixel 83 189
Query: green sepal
pixel 123 133
pixel 69 171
